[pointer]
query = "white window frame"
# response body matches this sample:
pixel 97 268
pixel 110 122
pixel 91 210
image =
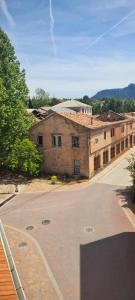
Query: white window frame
pixel 56 137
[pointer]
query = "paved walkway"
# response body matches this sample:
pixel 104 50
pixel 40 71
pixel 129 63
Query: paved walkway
pixel 30 265
pixel 116 173
pixel 89 241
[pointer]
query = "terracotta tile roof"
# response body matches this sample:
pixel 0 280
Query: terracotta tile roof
pixel 7 289
pixel 88 121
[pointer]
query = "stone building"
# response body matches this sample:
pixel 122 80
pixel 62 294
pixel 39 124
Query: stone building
pixel 78 144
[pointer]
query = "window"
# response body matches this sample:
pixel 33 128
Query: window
pixel 96 162
pixel 112 132
pixel 105 157
pixel 76 167
pixel 96 141
pixel 122 145
pixel 112 151
pixel 118 148
pixel 104 135
pixel 122 129
pixel 75 141
pixel 56 140
pixel 40 140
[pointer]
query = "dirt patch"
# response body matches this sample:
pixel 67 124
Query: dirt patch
pixel 44 185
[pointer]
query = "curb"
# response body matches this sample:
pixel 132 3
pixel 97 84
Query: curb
pixel 126 213
pixel 7 200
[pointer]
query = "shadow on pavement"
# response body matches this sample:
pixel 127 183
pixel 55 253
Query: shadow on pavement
pixel 107 268
pixel 127 198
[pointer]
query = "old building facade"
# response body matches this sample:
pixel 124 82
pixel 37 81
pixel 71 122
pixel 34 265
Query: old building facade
pixel 78 144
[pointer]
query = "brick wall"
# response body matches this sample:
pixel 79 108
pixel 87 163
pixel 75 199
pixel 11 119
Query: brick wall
pixel 60 160
pixel 98 144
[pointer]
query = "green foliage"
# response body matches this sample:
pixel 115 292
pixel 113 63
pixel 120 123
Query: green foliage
pixel 98 106
pixel 42 99
pixel 14 122
pixel 115 104
pixel 36 103
pixel 131 167
pixel 118 105
pixel 12 78
pixel 24 157
pixel 41 94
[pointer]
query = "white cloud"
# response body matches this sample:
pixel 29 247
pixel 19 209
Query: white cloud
pixel 52 26
pixel 4 8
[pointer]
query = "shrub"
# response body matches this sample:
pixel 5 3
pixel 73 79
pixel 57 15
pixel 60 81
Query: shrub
pixel 53 179
pixel 131 168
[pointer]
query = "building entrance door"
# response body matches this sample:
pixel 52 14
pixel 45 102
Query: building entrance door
pixel 96 162
pixel 76 167
pixel 105 157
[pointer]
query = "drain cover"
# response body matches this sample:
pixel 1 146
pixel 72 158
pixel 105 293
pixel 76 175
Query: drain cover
pixel 23 244
pixel 88 229
pixel 46 222
pixel 29 227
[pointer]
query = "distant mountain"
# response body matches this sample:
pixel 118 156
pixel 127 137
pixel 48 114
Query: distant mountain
pixel 122 93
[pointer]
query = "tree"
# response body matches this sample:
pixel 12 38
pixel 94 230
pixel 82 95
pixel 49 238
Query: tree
pixel 86 98
pixel 41 94
pixel 13 79
pixel 30 104
pixel 14 122
pixel 54 101
pixel 131 168
pixel 24 157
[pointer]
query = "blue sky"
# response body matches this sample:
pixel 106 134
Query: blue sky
pixel 72 48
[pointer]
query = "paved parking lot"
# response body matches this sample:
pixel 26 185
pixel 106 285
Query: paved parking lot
pixel 88 243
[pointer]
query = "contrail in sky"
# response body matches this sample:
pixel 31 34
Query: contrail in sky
pixel 4 8
pixel 109 30
pixel 52 26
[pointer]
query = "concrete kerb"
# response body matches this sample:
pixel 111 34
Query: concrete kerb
pixel 7 199
pixel 127 214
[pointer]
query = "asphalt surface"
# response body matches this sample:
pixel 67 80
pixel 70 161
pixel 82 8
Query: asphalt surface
pixel 89 243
